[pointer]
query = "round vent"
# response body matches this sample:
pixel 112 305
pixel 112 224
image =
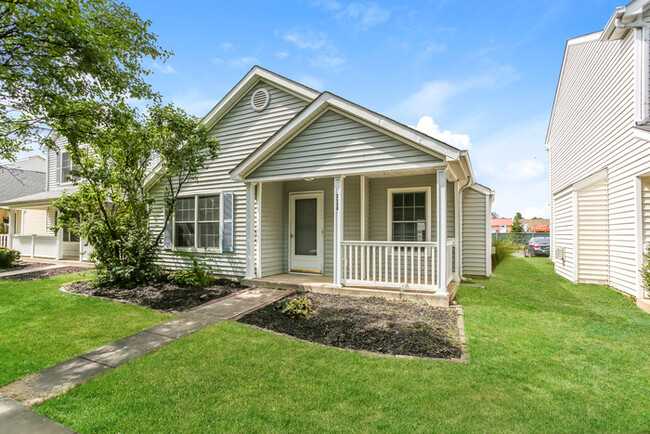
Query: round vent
pixel 260 100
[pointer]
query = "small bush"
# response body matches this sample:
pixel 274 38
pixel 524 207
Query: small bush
pixel 8 257
pixel 502 249
pixel 645 271
pixel 298 308
pixel 197 275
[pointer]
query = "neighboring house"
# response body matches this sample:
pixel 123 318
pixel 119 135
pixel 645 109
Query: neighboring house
pixel 598 144
pixel 20 178
pixel 313 189
pixel 45 243
pixel 501 225
pixel 536 225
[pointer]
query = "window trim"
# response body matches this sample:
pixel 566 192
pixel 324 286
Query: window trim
pixel 61 181
pixel 389 201
pixel 196 249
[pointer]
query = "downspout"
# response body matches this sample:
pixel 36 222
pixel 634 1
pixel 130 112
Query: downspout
pixel 460 229
pixel 644 79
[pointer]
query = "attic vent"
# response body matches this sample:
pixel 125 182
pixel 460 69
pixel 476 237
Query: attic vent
pixel 260 100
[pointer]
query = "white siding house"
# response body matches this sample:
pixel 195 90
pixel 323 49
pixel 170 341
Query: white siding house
pixel 598 144
pixel 326 195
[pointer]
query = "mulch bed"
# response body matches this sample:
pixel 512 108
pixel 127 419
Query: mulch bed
pixel 368 324
pixel 37 275
pixel 160 295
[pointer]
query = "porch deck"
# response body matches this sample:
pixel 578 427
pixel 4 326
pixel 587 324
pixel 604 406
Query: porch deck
pixel 325 285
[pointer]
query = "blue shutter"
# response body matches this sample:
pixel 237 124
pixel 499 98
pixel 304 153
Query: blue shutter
pixel 167 238
pixel 228 223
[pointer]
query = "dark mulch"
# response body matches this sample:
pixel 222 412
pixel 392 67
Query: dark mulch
pixel 23 265
pixel 161 295
pixel 37 275
pixel 368 323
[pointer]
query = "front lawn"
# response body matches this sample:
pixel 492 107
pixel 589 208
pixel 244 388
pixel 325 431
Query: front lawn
pixel 544 355
pixel 41 326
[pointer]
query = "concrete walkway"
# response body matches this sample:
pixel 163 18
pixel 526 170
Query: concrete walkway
pixel 56 380
pixel 30 270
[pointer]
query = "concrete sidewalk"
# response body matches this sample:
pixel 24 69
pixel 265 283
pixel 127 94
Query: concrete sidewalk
pixel 30 270
pixel 56 380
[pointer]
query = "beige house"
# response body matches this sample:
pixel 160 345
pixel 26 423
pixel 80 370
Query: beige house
pixel 598 144
pixel 313 190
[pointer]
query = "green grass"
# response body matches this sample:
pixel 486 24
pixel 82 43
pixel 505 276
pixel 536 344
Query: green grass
pixel 41 326
pixel 545 355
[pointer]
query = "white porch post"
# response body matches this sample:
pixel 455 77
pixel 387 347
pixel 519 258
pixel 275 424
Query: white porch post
pixel 12 222
pixel 338 229
pixel 441 184
pixel 457 231
pixel 250 230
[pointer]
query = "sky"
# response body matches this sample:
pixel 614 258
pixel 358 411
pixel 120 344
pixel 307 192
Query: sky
pixel 479 75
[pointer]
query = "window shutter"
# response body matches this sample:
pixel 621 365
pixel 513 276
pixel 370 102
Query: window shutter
pixel 227 226
pixel 167 238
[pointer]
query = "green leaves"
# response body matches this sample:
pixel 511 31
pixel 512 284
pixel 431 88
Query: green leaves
pixel 55 54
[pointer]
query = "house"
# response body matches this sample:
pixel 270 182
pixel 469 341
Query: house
pixel 536 225
pixel 20 178
pixel 598 145
pixel 501 225
pixel 39 240
pixel 313 191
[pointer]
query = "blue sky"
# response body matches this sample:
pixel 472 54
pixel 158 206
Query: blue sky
pixel 476 73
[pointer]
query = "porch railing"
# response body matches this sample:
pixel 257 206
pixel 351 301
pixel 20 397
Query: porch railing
pixel 42 246
pixel 391 264
pixel 4 240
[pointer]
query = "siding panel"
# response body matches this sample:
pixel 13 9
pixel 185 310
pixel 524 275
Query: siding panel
pixel 474 240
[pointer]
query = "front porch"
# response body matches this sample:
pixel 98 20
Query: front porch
pixel 374 234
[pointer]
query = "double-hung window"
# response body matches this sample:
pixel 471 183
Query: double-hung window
pixel 408 209
pixel 66 167
pixel 196 222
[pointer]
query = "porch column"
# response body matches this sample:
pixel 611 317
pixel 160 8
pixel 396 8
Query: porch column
pixel 441 184
pixel 338 230
pixel 250 230
pixel 12 222
pixel 457 231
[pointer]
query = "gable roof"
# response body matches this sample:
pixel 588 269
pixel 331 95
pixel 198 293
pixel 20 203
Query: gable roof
pixel 327 101
pixel 253 76
pixel 17 183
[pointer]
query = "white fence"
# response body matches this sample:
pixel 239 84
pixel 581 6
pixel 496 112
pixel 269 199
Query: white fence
pixel 42 246
pixel 391 264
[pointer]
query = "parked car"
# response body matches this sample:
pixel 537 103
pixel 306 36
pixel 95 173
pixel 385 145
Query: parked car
pixel 538 246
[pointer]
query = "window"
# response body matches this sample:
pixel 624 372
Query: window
pixel 409 214
pixel 196 222
pixel 66 167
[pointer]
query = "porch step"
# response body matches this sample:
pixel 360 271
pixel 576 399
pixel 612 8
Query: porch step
pixel 433 298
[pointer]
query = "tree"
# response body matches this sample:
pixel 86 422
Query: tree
pixel 114 149
pixel 57 53
pixel 495 215
pixel 517 226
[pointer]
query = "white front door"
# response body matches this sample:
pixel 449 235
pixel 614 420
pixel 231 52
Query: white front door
pixel 306 232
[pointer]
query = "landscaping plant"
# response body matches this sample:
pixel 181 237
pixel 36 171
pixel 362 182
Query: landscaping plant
pixel 8 257
pixel 502 249
pixel 197 275
pixel 645 270
pixel 298 308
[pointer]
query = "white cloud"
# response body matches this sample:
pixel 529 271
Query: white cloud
pixel 325 53
pixel 164 68
pixel 430 128
pixel 306 40
pixel 524 170
pixel 363 14
pixel 226 46
pixel 313 82
pixel 433 95
pixel 533 211
pixel 281 54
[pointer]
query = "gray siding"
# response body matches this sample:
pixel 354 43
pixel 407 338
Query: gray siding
pixel 271 234
pixel 474 251
pixel 334 142
pixel 239 132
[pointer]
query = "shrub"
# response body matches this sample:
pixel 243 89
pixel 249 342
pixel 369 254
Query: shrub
pixel 8 257
pixel 502 249
pixel 197 275
pixel 645 271
pixel 298 308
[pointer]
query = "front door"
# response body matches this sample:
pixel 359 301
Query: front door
pixel 306 232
